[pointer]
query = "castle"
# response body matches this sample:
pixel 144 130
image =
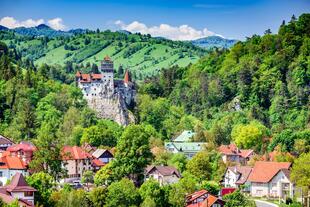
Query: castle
pixel 110 98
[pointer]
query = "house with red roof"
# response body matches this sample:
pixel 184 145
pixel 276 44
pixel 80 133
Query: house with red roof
pixel 24 150
pixel 231 153
pixel 76 161
pixel 203 198
pixel 237 176
pixel 19 190
pixel 163 174
pixel 271 179
pixel 9 166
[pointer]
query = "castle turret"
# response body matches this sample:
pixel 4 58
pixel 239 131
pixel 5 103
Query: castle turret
pixel 107 71
pixel 127 78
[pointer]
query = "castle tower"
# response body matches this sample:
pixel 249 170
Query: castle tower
pixel 107 71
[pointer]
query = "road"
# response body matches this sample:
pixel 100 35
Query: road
pixel 260 203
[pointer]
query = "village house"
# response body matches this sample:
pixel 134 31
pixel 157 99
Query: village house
pixel 19 190
pixel 23 150
pixel 9 166
pixel 163 174
pixel 203 198
pixel 237 176
pixel 231 153
pixel 271 179
pixel 5 142
pixel 103 155
pixel 76 161
pixel 183 144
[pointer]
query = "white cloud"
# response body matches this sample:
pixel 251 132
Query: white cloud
pixel 10 22
pixel 56 24
pixel 182 32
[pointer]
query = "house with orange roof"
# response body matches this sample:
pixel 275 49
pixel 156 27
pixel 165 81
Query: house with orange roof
pixel 19 190
pixel 203 198
pixel 75 160
pixel 9 166
pixel 231 153
pixel 271 179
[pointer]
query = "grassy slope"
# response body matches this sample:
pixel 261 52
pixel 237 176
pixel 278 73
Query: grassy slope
pixel 147 60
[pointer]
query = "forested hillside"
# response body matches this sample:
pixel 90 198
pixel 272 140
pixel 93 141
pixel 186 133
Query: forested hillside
pixel 142 54
pixel 256 94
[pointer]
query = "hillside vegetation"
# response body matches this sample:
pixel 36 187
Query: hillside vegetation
pixel 144 55
pixel 256 94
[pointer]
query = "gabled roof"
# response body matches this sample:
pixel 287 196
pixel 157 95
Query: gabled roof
pixel 5 140
pixel 195 195
pixel 263 171
pixel 22 146
pixel 97 163
pixel 163 170
pixel 19 184
pixel 208 202
pixel 10 162
pixel 185 136
pixel 243 171
pixel 99 152
pixel 74 153
pixel 232 149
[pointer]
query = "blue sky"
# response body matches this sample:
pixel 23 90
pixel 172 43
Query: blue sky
pixel 231 19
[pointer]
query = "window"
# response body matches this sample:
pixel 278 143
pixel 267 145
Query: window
pixel 27 194
pixel 1 174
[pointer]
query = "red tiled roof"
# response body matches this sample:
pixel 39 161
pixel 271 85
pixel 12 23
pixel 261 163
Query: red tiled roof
pixel 164 170
pixel 263 171
pixel 23 146
pixel 96 76
pixel 78 74
pixel 208 202
pixel 97 163
pixel 7 198
pixel 19 184
pixel 74 153
pixel 232 149
pixel 87 78
pixel 8 162
pixel 195 195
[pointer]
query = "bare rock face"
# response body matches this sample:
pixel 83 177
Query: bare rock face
pixel 113 108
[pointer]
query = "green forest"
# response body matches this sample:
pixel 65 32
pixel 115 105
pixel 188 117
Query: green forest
pixel 255 94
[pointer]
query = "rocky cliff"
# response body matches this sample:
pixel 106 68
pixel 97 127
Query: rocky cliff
pixel 112 107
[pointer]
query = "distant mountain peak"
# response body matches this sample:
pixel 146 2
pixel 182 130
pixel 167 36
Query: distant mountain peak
pixel 43 26
pixel 3 28
pixel 214 41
